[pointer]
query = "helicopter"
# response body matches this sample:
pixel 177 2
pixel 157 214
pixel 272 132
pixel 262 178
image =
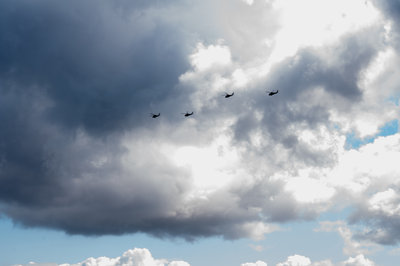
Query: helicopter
pixel 227 95
pixel 155 115
pixel 187 114
pixel 271 93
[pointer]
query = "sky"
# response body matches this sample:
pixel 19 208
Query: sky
pixel 306 177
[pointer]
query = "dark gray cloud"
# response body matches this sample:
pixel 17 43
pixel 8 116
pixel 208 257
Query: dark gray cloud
pixel 71 67
pixel 93 63
pixel 380 219
pixel 74 77
pixel 333 73
pixel 77 79
pixel 391 10
pixel 379 227
pixel 377 216
pixel 79 153
pixel 375 203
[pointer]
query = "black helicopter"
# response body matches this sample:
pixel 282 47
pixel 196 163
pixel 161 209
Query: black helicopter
pixel 227 95
pixel 155 115
pixel 187 114
pixel 271 93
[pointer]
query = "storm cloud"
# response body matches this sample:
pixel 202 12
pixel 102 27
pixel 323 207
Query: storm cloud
pixel 78 82
pixel 80 153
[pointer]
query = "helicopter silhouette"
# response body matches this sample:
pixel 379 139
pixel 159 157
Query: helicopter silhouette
pixel 227 95
pixel 271 93
pixel 187 114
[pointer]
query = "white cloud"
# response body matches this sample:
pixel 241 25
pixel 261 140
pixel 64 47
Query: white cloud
pixel 317 22
pixel 258 230
pixel 387 201
pixel 178 263
pixel 359 260
pixel 143 257
pixel 211 165
pixel 309 190
pixel 296 260
pixel 379 83
pixel 208 77
pixel 132 257
pixel 299 260
pixel 369 166
pixel 211 56
pixel 257 263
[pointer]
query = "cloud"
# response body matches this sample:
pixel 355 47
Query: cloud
pixel 296 260
pixel 359 260
pixel 132 257
pixel 76 94
pixel 381 218
pixel 257 263
pixel 94 79
pixel 143 257
pixel 391 11
pixel 367 179
pixel 299 260
pixel 351 246
pixel 79 153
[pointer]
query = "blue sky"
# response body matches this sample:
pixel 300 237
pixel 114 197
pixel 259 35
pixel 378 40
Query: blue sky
pixel 305 177
pixel 390 128
pixel 22 245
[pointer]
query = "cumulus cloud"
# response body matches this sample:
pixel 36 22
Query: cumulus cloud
pixel 359 260
pixel 299 260
pixel 76 94
pixel 132 257
pixel 296 260
pixel 371 186
pixel 391 11
pixel 257 263
pixel 78 81
pixel 143 257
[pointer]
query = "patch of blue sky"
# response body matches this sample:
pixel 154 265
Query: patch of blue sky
pixel 387 256
pixel 21 245
pixel 383 255
pixel 394 99
pixel 390 128
pixel 301 238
